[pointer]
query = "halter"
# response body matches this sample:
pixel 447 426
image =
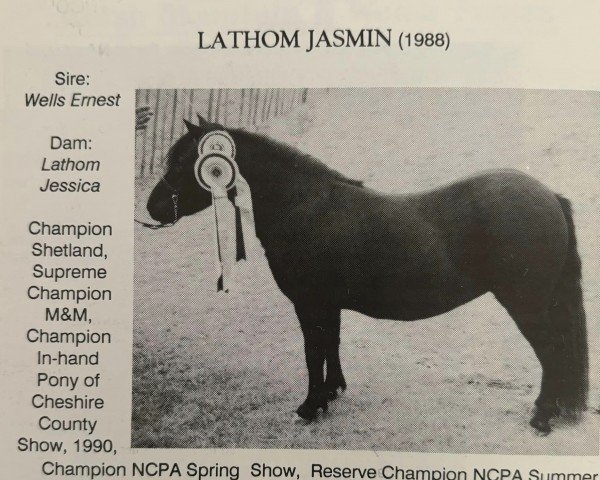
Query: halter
pixel 174 199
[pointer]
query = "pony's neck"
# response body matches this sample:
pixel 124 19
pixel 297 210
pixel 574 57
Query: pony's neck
pixel 276 190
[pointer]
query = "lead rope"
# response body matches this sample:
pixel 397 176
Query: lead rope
pixel 175 200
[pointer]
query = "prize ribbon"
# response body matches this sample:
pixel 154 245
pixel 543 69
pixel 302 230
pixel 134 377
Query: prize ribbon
pixel 217 172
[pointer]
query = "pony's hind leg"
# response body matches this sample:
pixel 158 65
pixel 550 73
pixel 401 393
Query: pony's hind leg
pixel 535 328
pixel 557 335
pixel 335 378
pixel 553 321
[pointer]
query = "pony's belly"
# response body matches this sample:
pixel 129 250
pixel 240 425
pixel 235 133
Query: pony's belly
pixel 412 304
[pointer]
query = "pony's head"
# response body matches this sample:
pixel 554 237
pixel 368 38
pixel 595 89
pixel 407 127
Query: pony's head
pixel 177 193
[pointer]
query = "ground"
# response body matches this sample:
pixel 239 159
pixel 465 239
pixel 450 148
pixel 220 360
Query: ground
pixel 216 370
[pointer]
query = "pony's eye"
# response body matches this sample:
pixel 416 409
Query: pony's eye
pixel 173 168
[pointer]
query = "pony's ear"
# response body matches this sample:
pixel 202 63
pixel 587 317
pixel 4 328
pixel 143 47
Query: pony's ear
pixel 195 130
pixel 201 120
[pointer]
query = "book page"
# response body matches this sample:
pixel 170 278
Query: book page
pixel 304 241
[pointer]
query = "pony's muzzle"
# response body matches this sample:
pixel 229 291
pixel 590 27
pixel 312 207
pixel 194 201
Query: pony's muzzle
pixel 164 210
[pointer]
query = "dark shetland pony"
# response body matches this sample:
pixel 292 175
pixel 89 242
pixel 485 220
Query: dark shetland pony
pixel 334 244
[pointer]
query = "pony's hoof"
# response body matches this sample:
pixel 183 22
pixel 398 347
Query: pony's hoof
pixel 541 427
pixel 540 420
pixel 298 420
pixel 334 387
pixel 308 410
pixel 335 392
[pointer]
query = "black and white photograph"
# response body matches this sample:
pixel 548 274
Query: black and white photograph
pixel 398 269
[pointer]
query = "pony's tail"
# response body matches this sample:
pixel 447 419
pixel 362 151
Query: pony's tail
pixel 567 317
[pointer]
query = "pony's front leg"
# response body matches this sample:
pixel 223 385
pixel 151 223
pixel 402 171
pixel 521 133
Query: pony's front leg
pixel 313 323
pixel 335 378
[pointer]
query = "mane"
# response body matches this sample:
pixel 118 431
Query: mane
pixel 295 159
